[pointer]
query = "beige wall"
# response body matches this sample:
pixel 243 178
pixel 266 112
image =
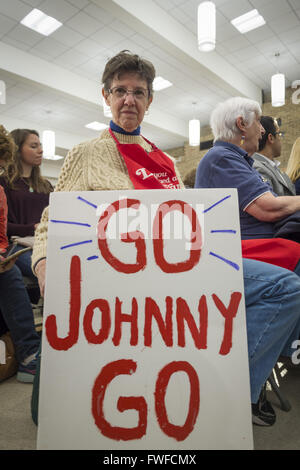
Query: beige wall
pixel 290 124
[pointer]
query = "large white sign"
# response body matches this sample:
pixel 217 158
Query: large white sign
pixel 144 336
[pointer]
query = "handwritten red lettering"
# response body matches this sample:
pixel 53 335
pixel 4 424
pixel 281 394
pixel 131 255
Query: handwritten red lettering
pixel 63 344
pixel 183 314
pixel 177 432
pixel 158 238
pixel 103 333
pixel 229 314
pixel 132 237
pixel 165 328
pixel 107 374
pixel 123 317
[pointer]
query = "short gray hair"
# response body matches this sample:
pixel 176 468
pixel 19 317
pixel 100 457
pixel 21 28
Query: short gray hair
pixel 224 116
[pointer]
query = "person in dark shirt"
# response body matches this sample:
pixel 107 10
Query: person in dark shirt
pixel 16 313
pixel 27 192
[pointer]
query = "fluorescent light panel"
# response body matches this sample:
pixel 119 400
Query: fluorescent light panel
pixel 248 22
pixel 54 157
pixel 160 83
pixel 96 126
pixel 40 22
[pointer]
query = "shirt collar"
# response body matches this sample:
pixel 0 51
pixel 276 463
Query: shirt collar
pixel 115 128
pixel 235 148
pixel 275 164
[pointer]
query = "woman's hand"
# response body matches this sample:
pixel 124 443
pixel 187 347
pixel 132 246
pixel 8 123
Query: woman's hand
pixel 40 271
pixel 6 266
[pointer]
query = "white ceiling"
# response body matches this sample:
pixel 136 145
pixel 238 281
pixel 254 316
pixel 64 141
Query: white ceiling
pixel 55 82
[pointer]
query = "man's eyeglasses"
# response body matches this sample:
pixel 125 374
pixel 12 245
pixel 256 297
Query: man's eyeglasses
pixel 121 92
pixel 280 134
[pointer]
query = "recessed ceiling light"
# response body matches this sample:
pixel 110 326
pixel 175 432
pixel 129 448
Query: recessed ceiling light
pixel 40 22
pixel 54 157
pixel 160 83
pixel 96 126
pixel 249 21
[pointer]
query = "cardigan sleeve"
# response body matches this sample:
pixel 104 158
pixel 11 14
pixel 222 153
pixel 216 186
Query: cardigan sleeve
pixel 70 179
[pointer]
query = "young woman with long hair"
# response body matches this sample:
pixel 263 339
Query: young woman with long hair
pixel 27 192
pixel 15 309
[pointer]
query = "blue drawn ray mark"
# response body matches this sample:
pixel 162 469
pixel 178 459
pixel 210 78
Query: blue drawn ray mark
pixel 69 222
pixel 231 263
pixel 223 231
pixel 87 202
pixel 216 203
pixel 92 257
pixel 75 244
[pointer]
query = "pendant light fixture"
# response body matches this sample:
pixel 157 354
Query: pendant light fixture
pixel 194 131
pixel 278 87
pixel 2 92
pixel 206 26
pixel 49 144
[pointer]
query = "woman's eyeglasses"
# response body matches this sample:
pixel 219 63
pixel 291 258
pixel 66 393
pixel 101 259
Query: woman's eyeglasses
pixel 121 92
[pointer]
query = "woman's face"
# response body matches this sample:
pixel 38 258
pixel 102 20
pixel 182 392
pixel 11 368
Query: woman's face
pixel 128 111
pixel 31 151
pixel 253 134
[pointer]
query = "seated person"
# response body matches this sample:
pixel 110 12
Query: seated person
pixel 108 163
pixel 264 160
pixel 27 192
pixel 293 167
pixel 189 180
pixel 229 164
pixel 14 301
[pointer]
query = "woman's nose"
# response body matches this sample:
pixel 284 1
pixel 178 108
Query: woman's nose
pixel 129 99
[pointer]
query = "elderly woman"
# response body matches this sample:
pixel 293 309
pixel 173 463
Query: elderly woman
pixel 293 167
pixel 109 162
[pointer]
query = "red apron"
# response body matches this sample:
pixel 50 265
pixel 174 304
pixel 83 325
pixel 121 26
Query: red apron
pixel 153 170
pixel 278 251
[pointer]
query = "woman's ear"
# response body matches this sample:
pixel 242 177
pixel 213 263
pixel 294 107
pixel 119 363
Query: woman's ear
pixel 149 102
pixel 106 96
pixel 240 123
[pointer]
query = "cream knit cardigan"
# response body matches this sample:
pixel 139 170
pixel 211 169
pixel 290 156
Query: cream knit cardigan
pixel 91 166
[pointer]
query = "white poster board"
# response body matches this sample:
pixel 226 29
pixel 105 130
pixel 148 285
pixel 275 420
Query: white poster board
pixel 144 339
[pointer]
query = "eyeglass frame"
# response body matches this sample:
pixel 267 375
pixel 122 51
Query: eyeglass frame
pixel 110 90
pixel 280 133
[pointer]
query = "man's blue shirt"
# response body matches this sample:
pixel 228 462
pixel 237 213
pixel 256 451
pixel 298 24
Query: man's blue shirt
pixel 228 166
